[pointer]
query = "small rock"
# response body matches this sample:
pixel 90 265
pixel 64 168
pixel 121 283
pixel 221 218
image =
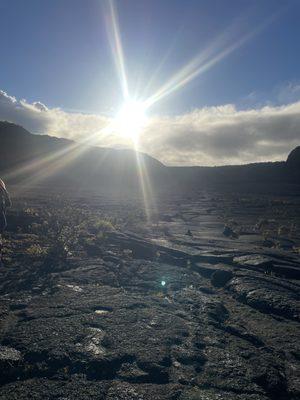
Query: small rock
pixel 229 232
pixel 221 277
pixel 9 354
pixel 254 260
pixel 101 312
pixel 75 288
pixel 132 373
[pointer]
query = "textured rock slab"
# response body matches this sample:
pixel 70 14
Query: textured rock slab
pixel 268 296
pixel 156 313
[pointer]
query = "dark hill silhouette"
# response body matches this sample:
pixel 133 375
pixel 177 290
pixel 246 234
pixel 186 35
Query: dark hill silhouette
pixel 24 156
pixel 39 158
pixel 293 160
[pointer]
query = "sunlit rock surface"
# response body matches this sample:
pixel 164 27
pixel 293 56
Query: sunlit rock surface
pixel 102 325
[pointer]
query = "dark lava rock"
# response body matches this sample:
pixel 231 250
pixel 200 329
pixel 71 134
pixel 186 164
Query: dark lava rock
pixel 206 269
pixel 253 260
pixel 44 389
pixel 196 393
pixel 10 362
pixel 221 277
pixel 267 296
pixel 229 232
pixel 106 327
pixel 269 265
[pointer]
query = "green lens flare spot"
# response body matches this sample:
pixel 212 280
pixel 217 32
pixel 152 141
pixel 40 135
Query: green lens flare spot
pixel 163 283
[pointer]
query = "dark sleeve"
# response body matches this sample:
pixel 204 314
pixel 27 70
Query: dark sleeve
pixel 7 199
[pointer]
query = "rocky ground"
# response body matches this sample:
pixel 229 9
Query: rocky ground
pixel 198 300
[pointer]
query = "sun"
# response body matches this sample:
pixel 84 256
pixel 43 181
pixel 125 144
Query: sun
pixel 131 119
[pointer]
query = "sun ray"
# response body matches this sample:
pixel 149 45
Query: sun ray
pixel 126 120
pixel 40 169
pixel 206 59
pixel 131 117
pixel 113 32
pixel 146 187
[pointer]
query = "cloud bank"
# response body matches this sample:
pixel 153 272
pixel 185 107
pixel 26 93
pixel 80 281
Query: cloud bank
pixel 207 136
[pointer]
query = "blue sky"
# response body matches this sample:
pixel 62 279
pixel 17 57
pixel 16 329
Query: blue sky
pixel 57 51
pixel 57 55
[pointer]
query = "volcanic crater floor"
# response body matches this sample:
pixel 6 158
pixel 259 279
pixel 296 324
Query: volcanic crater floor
pixel 199 300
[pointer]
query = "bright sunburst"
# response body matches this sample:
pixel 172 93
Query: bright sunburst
pixel 131 118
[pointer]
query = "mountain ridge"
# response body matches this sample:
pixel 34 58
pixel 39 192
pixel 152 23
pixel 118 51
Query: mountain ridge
pixel 70 162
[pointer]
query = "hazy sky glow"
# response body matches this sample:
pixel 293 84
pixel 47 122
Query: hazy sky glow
pixel 221 79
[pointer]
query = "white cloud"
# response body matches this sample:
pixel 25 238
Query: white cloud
pixel 288 92
pixel 224 135
pixel 207 136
